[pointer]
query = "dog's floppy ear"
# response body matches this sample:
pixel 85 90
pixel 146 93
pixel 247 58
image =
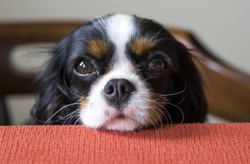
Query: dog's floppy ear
pixel 53 93
pixel 193 101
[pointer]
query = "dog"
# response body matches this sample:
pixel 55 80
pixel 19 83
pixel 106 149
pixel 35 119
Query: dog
pixel 120 72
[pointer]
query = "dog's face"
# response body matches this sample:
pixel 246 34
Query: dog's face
pixel 120 72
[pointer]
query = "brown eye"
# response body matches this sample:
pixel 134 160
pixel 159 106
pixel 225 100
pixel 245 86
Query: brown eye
pixel 84 68
pixel 157 65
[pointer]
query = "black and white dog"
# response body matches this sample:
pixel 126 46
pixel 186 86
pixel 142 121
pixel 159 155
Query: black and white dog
pixel 120 72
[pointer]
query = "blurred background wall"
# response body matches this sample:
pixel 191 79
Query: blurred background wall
pixel 223 25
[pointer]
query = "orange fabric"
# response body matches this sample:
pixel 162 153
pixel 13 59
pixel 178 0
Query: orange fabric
pixel 189 143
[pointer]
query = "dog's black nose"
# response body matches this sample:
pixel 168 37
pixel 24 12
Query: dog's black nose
pixel 118 91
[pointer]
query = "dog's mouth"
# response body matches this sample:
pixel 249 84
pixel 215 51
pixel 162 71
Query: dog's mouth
pixel 120 121
pixel 119 116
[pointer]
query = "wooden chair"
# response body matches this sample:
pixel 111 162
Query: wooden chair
pixel 227 89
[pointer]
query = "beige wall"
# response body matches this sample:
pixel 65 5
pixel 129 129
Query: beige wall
pixel 223 25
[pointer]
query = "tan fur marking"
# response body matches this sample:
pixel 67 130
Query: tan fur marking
pixel 157 109
pixel 97 47
pixel 83 102
pixel 141 45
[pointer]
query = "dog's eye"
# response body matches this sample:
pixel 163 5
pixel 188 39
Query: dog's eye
pixel 157 65
pixel 84 68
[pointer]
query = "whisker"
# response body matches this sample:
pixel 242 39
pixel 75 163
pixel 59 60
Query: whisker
pixel 70 116
pixel 181 100
pixel 170 94
pixel 153 123
pixel 77 121
pixel 183 116
pixel 152 77
pixel 146 118
pixel 34 117
pixel 176 93
pixel 169 116
pixel 64 80
pixel 165 110
pixel 156 122
pixel 53 115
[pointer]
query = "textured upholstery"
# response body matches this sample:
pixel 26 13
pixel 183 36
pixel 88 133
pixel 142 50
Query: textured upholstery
pixel 187 143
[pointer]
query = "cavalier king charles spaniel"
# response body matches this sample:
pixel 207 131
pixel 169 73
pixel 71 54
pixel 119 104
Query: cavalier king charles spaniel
pixel 120 72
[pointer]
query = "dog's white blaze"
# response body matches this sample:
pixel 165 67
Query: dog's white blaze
pixel 120 29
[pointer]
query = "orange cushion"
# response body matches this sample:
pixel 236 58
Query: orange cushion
pixel 187 143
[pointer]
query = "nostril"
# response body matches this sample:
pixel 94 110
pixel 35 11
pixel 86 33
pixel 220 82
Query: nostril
pixel 123 89
pixel 126 86
pixel 109 89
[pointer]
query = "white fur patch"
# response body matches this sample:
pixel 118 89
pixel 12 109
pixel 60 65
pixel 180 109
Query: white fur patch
pixel 120 29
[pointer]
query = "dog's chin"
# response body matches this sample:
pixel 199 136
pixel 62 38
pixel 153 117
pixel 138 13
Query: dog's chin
pixel 120 124
pixel 116 123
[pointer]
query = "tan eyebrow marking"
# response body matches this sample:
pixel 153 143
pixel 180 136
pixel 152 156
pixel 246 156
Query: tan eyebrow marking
pixel 141 45
pixel 97 47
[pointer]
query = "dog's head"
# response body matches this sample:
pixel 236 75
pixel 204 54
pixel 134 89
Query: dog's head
pixel 120 72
